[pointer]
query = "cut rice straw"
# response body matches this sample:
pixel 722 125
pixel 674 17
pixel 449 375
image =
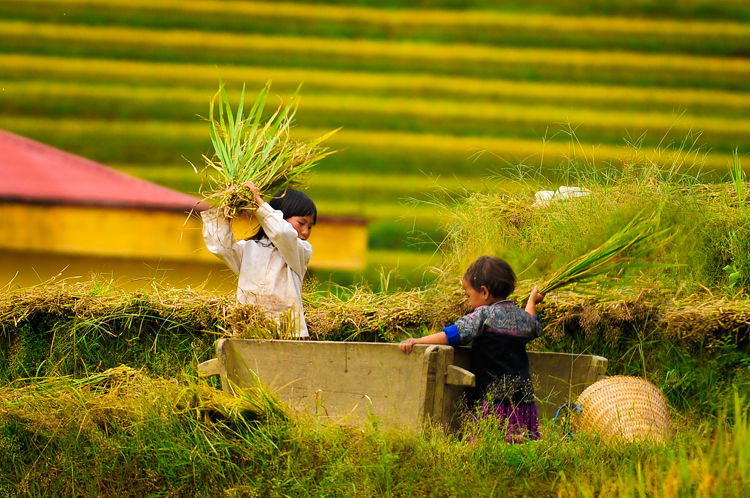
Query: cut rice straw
pixel 246 149
pixel 639 237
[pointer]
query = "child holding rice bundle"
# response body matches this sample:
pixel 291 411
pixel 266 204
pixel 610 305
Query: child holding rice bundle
pixel 272 263
pixel 498 331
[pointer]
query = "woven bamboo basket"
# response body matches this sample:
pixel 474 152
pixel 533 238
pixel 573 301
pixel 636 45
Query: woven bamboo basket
pixel 624 409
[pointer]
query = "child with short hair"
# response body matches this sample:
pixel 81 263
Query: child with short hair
pixel 498 331
pixel 272 263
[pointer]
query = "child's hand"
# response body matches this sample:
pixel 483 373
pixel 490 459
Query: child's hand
pixel 407 345
pixel 251 187
pixel 535 296
pixel 255 191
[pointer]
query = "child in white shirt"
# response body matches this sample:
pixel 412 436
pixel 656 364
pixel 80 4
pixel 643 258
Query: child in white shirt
pixel 272 263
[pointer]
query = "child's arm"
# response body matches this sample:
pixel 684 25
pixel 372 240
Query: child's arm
pixel 436 338
pixel 463 331
pixel 534 299
pixel 217 232
pixel 295 251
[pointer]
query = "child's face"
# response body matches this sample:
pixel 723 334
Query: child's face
pixel 481 297
pixel 303 225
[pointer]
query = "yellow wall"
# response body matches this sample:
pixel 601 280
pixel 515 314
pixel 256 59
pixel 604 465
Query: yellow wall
pixel 25 269
pixel 38 241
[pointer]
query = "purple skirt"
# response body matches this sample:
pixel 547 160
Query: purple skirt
pixel 519 422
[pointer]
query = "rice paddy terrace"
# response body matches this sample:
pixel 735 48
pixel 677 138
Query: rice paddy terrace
pixel 439 94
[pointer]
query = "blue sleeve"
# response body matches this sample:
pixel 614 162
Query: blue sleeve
pixel 454 338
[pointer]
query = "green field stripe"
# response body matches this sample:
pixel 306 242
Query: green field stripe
pixel 393 221
pixel 353 188
pixel 388 270
pixel 376 201
pixel 34 70
pixel 373 113
pixel 347 185
pixel 464 59
pixel 726 9
pixel 372 202
pixel 476 26
pixel 465 19
pixel 392 209
pixel 407 260
pixel 168 142
pixel 407 185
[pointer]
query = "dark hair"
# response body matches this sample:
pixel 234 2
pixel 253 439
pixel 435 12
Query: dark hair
pixel 493 273
pixel 291 203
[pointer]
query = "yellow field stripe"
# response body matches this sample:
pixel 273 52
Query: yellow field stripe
pixel 440 18
pixel 394 108
pixel 177 74
pixel 533 151
pixel 373 49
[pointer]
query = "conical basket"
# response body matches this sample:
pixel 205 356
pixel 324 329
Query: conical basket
pixel 624 409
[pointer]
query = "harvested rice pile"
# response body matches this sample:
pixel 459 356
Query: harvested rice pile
pixel 119 397
pixel 364 315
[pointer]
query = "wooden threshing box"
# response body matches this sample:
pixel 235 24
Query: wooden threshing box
pixel 352 382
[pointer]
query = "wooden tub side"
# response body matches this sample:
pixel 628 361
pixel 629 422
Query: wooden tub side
pixel 353 382
pixel 346 382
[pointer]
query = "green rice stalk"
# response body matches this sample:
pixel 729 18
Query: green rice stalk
pixel 246 148
pixel 636 239
pixel 739 179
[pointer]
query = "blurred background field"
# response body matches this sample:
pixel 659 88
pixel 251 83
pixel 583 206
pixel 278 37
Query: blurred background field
pixel 436 99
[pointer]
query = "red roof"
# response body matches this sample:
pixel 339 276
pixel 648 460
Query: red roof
pixel 34 172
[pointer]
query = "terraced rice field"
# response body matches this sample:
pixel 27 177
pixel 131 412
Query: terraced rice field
pixel 432 97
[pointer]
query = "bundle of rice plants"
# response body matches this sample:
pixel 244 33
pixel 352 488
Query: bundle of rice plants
pixel 252 322
pixel 246 148
pixel 623 249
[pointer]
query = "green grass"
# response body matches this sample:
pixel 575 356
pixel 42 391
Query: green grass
pixel 70 440
pixel 705 224
pixel 153 428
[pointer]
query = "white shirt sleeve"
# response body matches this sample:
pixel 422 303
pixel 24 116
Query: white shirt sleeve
pixel 295 251
pixel 217 232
